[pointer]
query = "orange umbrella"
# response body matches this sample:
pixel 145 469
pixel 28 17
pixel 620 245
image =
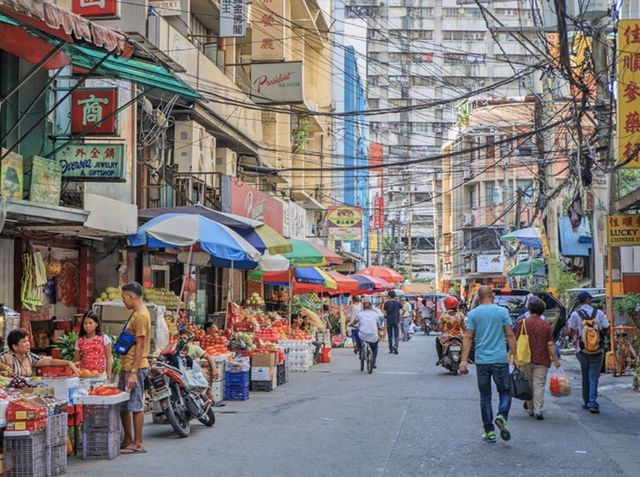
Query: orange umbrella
pixel 386 274
pixel 346 284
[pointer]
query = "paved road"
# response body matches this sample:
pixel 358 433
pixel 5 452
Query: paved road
pixel 407 419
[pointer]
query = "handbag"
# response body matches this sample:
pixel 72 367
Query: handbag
pixel 523 349
pixel 125 340
pixel 520 387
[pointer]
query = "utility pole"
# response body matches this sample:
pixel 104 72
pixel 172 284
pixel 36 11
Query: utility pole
pixel 410 235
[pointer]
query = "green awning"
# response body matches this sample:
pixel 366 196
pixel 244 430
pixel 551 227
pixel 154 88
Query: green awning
pixel 528 267
pixel 142 72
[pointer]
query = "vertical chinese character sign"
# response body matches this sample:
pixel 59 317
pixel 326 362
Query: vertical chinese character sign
pixel 628 120
pixel 233 18
pixel 96 8
pixel 267 21
pixel 92 111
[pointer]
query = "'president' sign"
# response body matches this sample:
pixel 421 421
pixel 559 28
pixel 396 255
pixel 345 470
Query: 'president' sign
pixel 277 82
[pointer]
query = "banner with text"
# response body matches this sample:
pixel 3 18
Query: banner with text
pixel 267 25
pixel 628 85
pixel 233 18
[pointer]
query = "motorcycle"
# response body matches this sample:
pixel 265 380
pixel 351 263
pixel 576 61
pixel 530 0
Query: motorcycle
pixel 177 390
pixel 453 353
pixel 429 325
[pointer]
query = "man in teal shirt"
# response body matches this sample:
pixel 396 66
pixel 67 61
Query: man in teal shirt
pixel 490 325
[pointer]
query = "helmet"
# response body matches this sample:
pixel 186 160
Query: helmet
pixel 451 303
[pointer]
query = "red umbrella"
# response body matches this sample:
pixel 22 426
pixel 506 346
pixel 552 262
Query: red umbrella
pixel 346 284
pixel 384 273
pixel 379 286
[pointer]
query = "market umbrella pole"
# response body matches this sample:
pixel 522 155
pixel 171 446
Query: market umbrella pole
pixel 290 294
pixel 184 280
pixel 343 324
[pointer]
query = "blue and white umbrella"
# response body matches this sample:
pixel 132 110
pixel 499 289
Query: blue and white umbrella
pixel 226 247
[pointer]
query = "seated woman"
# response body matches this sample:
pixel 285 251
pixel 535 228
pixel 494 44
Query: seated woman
pixel 19 361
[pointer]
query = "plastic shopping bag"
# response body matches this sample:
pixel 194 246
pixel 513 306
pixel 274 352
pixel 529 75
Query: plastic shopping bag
pixel 559 384
pixel 193 377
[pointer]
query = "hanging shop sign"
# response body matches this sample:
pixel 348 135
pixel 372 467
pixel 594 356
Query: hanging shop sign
pixel 344 222
pixel 277 82
pixel 233 18
pixel 91 106
pixel 628 86
pixel 295 221
pixel 166 8
pixel 623 230
pixel 490 263
pixel 267 27
pixel 92 162
pixel 96 8
pixel 246 201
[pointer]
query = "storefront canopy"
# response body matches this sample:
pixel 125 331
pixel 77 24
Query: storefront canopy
pixel 574 243
pixel 528 267
pixel 529 237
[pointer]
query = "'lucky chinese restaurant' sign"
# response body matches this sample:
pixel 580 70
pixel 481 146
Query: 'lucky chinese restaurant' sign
pixel 233 18
pixel 628 84
pixel 623 230
pixel 94 106
pixel 96 8
pixel 92 162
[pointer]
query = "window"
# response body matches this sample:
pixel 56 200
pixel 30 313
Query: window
pixel 463 59
pixel 461 12
pixel 455 35
pixel 420 12
pixel 419 127
pixel 491 193
pixel 527 190
pixel 373 104
pixel 473 197
pixel 512 12
pixel 373 80
pixel 413 34
pixel 423 81
pixel 374 125
pixel 395 103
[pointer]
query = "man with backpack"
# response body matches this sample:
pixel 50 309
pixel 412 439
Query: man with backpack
pixel 588 323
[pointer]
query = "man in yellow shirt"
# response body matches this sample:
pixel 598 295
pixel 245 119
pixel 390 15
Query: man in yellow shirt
pixel 135 368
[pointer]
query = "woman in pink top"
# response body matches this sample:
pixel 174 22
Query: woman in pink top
pixel 93 349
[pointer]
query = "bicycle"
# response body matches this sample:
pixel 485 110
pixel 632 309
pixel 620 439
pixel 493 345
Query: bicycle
pixel 366 356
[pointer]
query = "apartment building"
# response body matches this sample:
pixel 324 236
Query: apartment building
pixel 422 52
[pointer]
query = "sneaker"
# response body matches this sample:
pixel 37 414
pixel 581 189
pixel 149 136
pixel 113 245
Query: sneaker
pixel 501 423
pixel 594 410
pixel 395 351
pixel 489 437
pixel 585 406
pixel 390 351
pixel 540 417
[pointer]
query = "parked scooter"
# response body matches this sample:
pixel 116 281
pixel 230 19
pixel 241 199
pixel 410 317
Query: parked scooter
pixel 178 386
pixel 452 354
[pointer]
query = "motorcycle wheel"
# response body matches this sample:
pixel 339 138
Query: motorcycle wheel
pixel 209 418
pixel 454 368
pixel 178 420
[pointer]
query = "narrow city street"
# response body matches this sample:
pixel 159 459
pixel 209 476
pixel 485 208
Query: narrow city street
pixel 407 419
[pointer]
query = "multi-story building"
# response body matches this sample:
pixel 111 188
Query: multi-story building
pixel 422 52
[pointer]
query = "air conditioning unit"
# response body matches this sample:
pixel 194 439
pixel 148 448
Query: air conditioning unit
pixel 226 161
pixel 466 174
pixel 194 148
pixel 468 219
pixel 245 59
pixel 437 130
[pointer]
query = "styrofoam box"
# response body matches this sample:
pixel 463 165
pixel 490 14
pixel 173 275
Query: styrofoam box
pixel 103 400
pixel 63 388
pixel 217 390
pixel 261 374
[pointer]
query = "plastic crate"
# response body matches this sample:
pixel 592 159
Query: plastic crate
pixel 56 429
pixel 101 417
pixel 56 460
pixel 236 393
pixel 261 386
pixel 100 444
pixel 25 456
pixel 282 376
pixel 236 378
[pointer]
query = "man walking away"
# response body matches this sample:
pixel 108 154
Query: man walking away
pixel 392 309
pixel 543 353
pixel 135 367
pixel 588 323
pixel 490 324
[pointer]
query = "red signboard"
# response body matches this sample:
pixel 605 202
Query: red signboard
pixel 89 107
pixel 95 8
pixel 378 217
pixel 250 202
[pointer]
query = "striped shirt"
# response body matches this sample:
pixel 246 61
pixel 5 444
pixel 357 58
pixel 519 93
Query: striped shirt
pixel 21 367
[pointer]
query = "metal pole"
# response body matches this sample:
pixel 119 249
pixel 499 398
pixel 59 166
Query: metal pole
pixel 610 307
pixel 184 280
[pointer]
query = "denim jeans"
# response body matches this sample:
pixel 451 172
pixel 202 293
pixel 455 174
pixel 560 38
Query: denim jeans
pixel 500 374
pixel 393 332
pixel 356 338
pixel 590 365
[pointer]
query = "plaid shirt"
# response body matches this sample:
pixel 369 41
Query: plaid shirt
pixel 22 367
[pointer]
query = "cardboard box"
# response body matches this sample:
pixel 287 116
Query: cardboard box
pixel 266 360
pixel 11 176
pixel 42 180
pixel 262 373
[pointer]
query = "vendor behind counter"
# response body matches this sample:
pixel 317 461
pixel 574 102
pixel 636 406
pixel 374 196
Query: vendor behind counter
pixel 19 361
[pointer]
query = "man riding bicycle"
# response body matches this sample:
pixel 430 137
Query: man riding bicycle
pixel 366 329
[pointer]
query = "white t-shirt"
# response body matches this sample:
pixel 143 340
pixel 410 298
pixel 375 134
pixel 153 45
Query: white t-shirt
pixel 355 309
pixel 368 326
